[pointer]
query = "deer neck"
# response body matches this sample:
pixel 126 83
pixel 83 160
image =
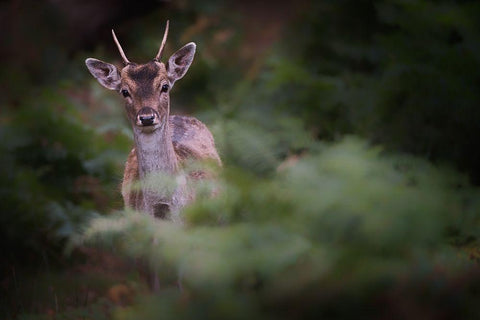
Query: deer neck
pixel 156 160
pixel 155 153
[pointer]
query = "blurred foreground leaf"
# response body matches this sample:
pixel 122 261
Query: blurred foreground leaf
pixel 345 223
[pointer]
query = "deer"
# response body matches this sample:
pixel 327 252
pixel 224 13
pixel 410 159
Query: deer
pixel 163 143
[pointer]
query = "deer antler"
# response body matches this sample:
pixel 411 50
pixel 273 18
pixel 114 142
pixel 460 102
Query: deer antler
pixel 124 57
pixel 162 46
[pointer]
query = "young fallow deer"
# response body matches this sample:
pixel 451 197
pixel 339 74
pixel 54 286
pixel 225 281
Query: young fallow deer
pixel 163 142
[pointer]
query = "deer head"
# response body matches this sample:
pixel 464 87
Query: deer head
pixel 145 87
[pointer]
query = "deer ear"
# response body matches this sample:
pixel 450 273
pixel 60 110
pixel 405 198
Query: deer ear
pixel 180 61
pixel 107 74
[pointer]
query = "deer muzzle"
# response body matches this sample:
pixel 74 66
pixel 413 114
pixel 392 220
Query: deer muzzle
pixel 147 117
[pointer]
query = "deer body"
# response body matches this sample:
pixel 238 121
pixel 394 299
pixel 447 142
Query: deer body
pixel 163 143
pixel 189 139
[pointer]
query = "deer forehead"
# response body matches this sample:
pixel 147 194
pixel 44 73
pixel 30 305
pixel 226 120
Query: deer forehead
pixel 144 78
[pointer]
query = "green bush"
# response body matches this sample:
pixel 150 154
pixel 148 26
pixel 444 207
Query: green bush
pixel 55 174
pixel 343 226
pixel 400 73
pixel 314 219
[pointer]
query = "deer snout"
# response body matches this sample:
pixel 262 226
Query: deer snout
pixel 147 117
pixel 147 120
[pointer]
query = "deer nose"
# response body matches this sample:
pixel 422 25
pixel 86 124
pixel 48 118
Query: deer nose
pixel 147 120
pixel 146 117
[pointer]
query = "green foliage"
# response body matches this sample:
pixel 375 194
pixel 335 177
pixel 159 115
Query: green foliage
pixel 300 228
pixel 345 218
pixel 54 172
pixel 402 73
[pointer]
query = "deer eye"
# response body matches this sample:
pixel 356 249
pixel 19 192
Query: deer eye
pixel 165 87
pixel 125 93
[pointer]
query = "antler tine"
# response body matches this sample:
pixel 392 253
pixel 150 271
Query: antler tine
pixel 124 57
pixel 162 46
